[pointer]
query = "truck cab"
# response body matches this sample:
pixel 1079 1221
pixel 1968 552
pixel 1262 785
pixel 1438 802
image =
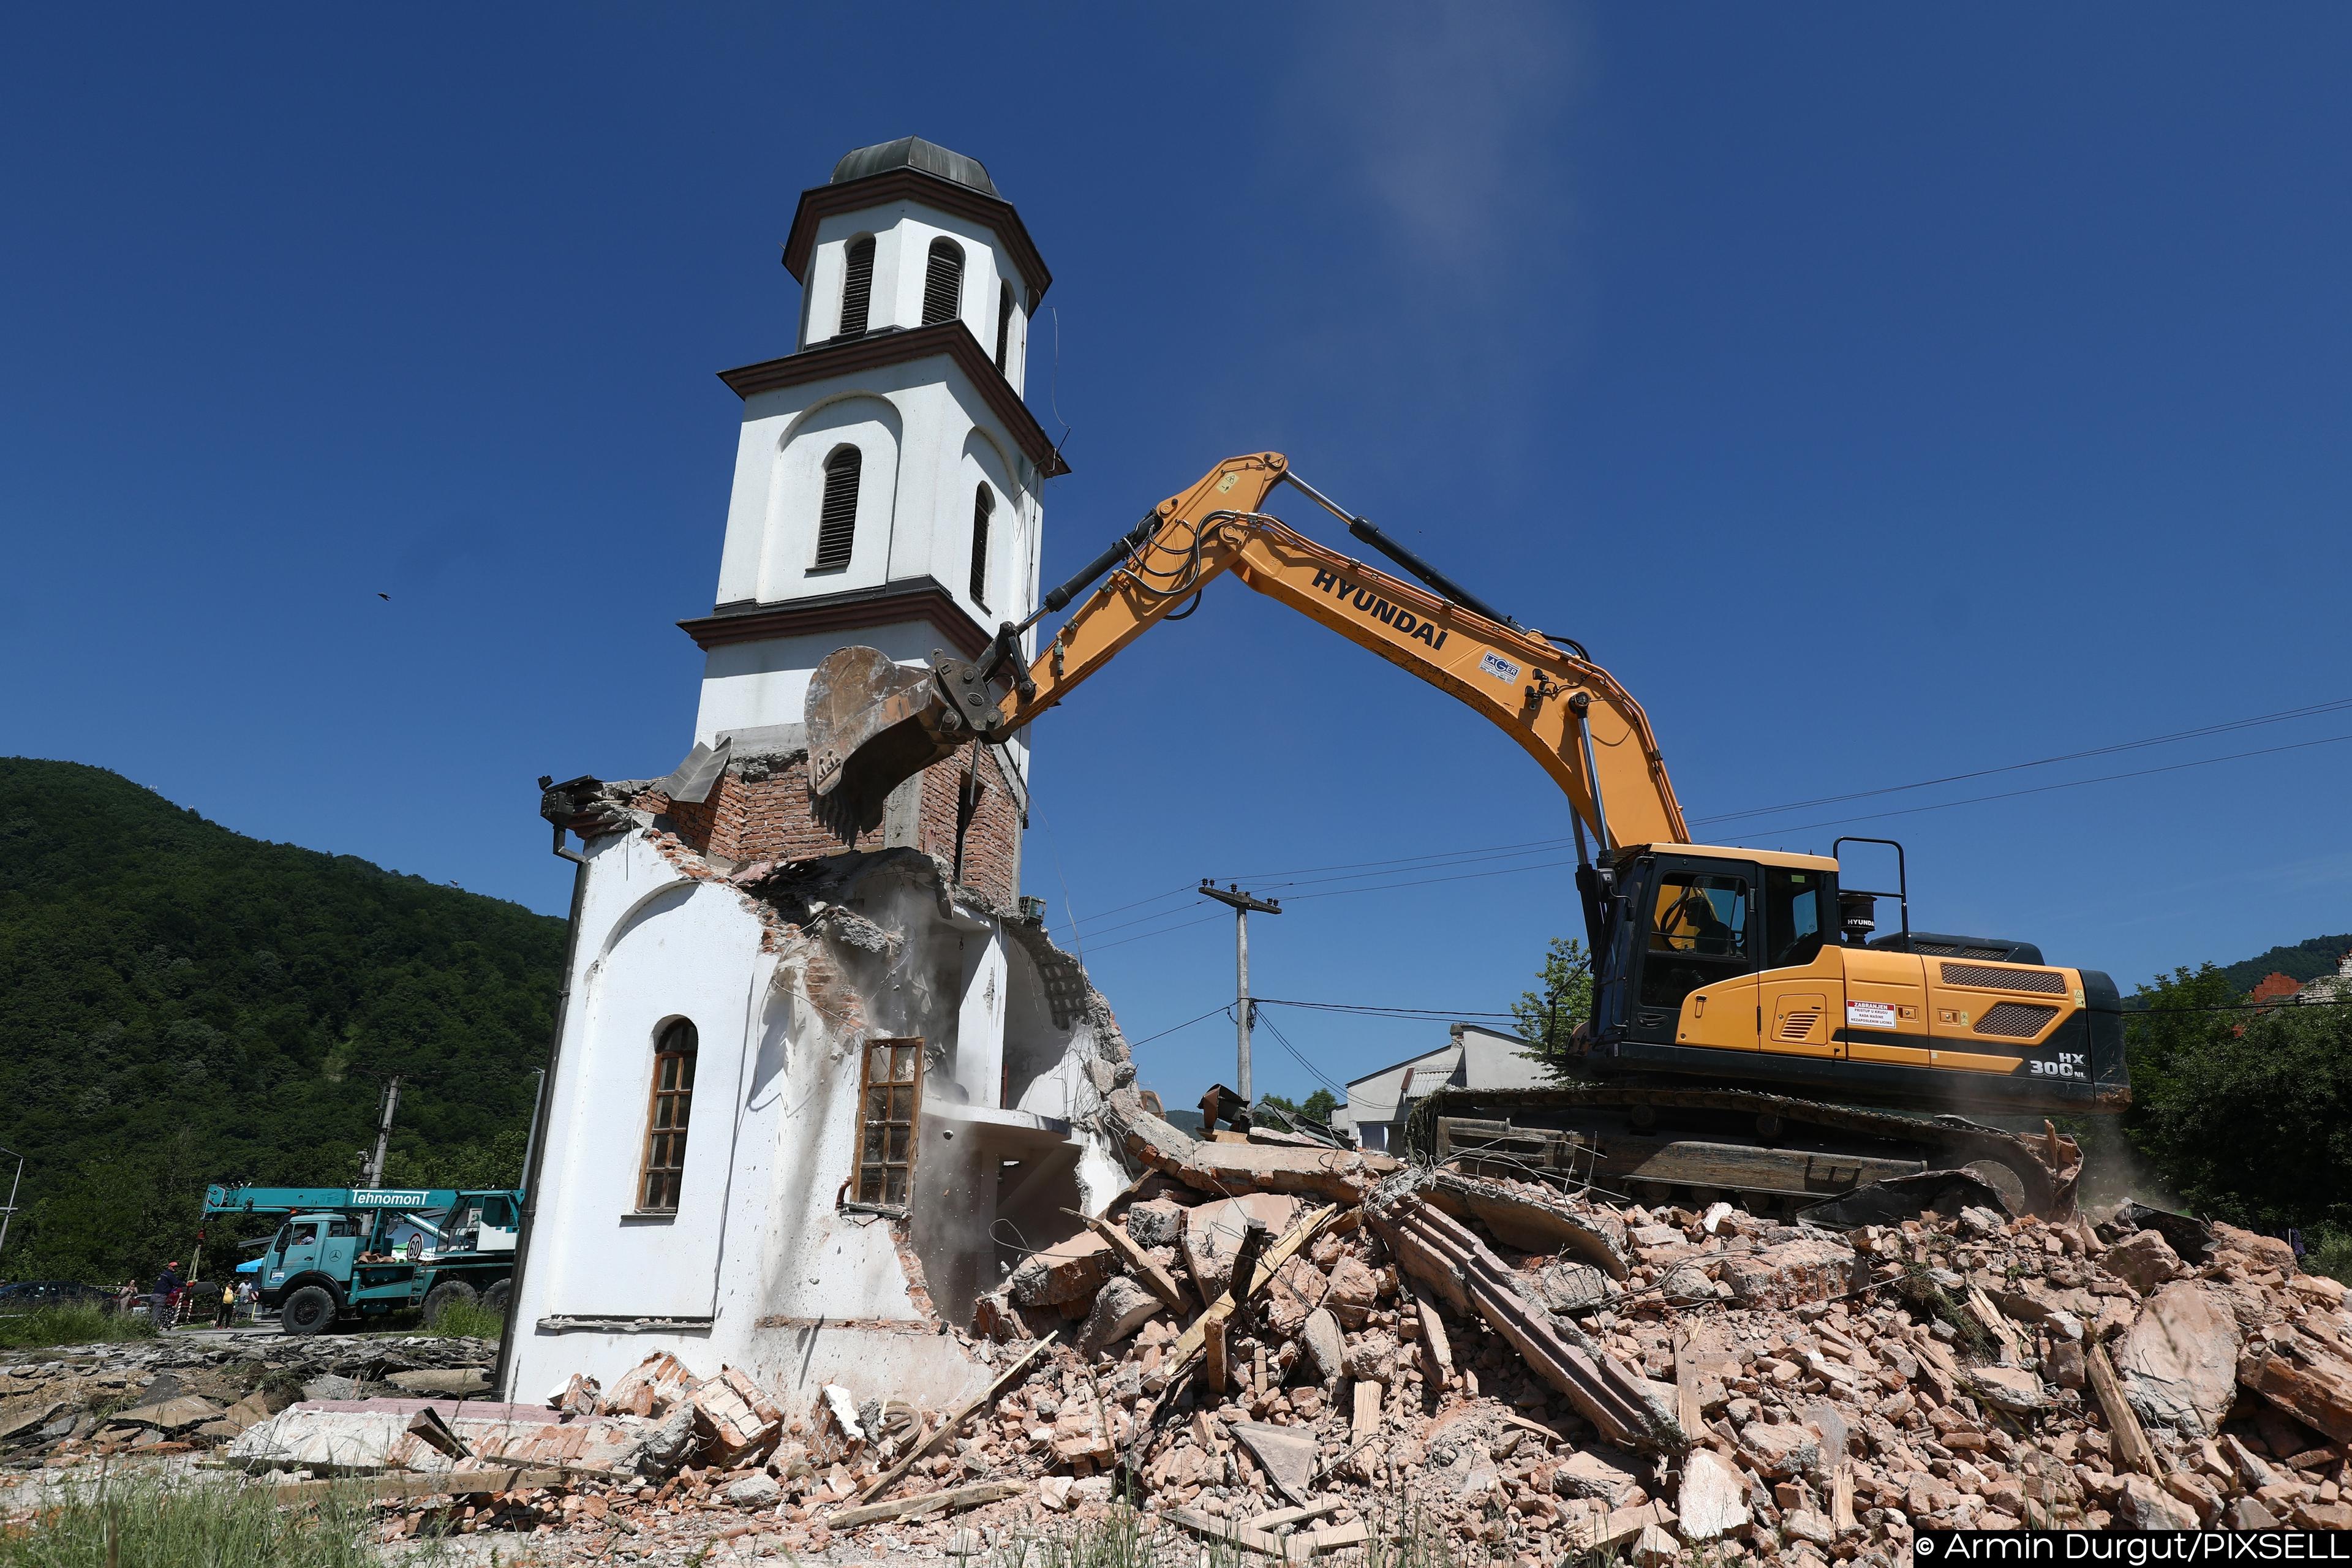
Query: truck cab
pixel 307 1248
pixel 1755 965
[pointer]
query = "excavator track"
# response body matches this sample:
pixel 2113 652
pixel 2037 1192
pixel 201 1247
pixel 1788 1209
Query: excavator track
pixel 1770 1153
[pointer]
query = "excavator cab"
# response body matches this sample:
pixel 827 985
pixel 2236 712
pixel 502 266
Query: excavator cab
pixel 1707 950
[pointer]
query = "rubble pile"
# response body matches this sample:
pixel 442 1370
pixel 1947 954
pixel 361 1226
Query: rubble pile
pixel 1293 1350
pixel 185 1394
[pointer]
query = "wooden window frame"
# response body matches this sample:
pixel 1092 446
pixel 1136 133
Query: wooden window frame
pixel 870 1156
pixel 675 1128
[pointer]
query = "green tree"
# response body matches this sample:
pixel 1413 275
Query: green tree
pixel 1316 1107
pixel 1562 1000
pixel 2245 1116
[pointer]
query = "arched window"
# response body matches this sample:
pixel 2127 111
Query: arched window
pixel 836 521
pixel 673 1102
pixel 1004 322
pixel 982 504
pixel 942 282
pixel 857 287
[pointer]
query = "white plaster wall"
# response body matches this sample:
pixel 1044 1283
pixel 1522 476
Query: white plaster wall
pixel 747 685
pixel 903 232
pixel 653 946
pixel 796 497
pixel 923 526
pixel 980 1022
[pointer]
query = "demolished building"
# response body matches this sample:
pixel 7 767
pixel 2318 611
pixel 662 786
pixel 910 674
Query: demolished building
pixel 807 1103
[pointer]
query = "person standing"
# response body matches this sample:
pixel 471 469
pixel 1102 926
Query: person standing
pixel 226 1311
pixel 245 1295
pixel 167 1287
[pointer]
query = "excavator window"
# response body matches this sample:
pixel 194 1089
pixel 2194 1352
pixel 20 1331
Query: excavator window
pixel 1699 934
pixel 1792 917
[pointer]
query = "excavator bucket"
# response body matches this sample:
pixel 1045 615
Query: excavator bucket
pixel 872 725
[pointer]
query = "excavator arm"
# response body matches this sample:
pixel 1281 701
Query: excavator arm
pixel 872 724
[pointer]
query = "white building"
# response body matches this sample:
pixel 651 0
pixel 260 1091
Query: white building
pixel 806 1103
pixel 1472 1057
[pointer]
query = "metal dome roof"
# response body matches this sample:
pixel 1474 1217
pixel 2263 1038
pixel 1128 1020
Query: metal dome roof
pixel 914 152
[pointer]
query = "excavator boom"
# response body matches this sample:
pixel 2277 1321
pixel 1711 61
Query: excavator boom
pixel 873 724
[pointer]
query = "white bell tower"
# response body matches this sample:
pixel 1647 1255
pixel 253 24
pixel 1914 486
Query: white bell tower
pixel 887 484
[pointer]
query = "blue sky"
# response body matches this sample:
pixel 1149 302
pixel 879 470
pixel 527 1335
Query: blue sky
pixel 1881 396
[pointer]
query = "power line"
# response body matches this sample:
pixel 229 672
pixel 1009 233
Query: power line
pixel 1374 1007
pixel 1300 1057
pixel 2306 711
pixel 1165 931
pixel 1226 1008
pixel 2070 784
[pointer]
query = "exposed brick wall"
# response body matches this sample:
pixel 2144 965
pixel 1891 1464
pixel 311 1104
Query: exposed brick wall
pixel 760 811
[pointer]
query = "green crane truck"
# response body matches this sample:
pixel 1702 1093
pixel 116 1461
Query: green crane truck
pixel 357 1252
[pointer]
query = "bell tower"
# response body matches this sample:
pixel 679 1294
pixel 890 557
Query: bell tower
pixel 887 476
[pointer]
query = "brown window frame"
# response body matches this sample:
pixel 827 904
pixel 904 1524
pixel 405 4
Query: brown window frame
pixel 872 1165
pixel 669 1132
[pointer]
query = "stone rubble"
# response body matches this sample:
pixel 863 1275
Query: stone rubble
pixel 1825 1395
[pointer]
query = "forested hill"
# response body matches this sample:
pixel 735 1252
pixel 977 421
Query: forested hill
pixel 2306 960
pixel 180 1004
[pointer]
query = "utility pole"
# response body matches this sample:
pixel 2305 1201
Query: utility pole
pixel 10 1212
pixel 1242 903
pixel 374 1173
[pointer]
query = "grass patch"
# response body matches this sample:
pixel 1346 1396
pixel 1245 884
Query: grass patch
pixel 1403 1535
pixel 71 1326
pixel 147 1522
pixel 467 1321
pixel 2332 1257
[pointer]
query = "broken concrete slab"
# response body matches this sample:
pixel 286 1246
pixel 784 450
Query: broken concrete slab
pixel 1224 1170
pixel 2179 1363
pixel 1213 1232
pixel 2142 1261
pixel 360 1435
pixel 1071 1269
pixel 1811 1268
pixel 437 1380
pixel 169 1416
pixel 1713 1499
pixel 1121 1307
pixel 1517 1215
pixel 1585 1474
pixel 1288 1457
pixel 2305 1380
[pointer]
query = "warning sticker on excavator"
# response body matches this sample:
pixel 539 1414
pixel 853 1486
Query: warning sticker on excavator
pixel 1870 1014
pixel 1498 667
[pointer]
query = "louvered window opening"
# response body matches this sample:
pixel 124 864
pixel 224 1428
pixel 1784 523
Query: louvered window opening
pixel 1004 322
pixel 982 504
pixel 857 287
pixel 942 282
pixel 666 1121
pixel 836 522
pixel 2015 1020
pixel 2049 981
pixel 889 1097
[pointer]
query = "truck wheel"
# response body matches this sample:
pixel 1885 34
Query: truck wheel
pixel 439 1300
pixel 495 1297
pixel 310 1311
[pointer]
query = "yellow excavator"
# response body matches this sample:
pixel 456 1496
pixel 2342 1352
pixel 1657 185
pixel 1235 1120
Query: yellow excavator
pixel 1751 1034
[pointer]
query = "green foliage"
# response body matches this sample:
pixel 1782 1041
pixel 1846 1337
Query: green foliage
pixel 181 1005
pixel 71 1326
pixel 1562 1000
pixel 1316 1107
pixel 467 1321
pixel 149 1519
pixel 2243 1116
